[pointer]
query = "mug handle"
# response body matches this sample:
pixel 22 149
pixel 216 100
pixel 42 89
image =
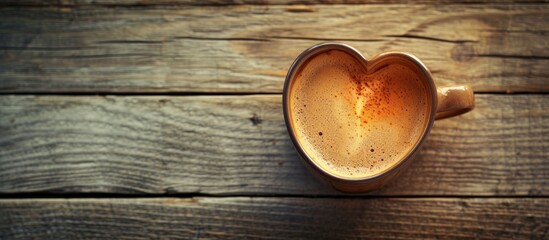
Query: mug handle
pixel 453 101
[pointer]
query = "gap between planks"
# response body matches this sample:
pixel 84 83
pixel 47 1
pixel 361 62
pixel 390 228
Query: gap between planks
pixel 92 195
pixel 181 94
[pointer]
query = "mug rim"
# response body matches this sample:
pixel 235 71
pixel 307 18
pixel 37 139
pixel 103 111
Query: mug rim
pixel 323 47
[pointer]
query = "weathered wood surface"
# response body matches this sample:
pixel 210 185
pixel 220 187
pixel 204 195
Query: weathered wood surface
pixel 239 145
pixel 276 218
pixel 132 3
pixel 166 48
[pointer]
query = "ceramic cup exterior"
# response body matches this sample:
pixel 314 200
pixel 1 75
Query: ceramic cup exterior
pixel 443 102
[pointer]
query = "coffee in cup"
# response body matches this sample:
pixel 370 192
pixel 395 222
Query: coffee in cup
pixel 352 123
pixel 358 123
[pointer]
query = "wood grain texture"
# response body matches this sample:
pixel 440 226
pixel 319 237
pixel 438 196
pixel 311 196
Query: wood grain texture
pixel 494 48
pixel 239 145
pixel 274 218
pixel 134 3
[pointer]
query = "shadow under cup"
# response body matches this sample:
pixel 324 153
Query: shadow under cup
pixel 375 181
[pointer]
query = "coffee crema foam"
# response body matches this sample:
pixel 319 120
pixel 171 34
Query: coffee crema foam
pixel 355 125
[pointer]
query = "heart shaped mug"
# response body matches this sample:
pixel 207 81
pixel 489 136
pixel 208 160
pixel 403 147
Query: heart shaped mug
pixel 359 123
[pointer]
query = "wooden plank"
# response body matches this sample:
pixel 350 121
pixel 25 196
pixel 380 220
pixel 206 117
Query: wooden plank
pixel 275 218
pixel 239 144
pixel 131 3
pixel 494 48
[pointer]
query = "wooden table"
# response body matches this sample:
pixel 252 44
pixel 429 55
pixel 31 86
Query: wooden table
pixel 138 119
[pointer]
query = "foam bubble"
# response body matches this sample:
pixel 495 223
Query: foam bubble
pixel 353 124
